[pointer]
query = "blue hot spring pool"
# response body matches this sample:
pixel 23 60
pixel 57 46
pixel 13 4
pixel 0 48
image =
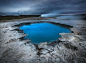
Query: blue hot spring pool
pixel 43 32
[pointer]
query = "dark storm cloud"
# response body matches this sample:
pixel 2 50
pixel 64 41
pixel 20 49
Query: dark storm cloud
pixel 16 5
pixel 42 6
pixel 62 6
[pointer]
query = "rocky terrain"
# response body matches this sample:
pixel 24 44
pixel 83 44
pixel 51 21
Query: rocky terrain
pixel 71 47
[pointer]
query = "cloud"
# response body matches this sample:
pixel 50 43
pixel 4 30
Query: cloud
pixel 52 7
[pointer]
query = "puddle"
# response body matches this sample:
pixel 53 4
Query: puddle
pixel 43 32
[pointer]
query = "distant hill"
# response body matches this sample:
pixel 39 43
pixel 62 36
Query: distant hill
pixel 9 17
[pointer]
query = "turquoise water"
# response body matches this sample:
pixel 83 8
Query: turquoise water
pixel 43 32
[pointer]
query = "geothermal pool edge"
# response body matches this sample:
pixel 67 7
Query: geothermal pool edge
pixel 71 47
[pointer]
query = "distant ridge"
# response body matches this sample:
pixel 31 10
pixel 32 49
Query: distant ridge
pixel 9 17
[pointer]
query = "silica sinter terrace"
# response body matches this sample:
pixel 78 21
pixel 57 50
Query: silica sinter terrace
pixel 43 32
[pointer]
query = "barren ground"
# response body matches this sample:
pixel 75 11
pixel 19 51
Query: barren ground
pixel 71 47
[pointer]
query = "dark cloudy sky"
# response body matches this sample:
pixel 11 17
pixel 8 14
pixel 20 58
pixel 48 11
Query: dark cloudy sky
pixel 37 7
